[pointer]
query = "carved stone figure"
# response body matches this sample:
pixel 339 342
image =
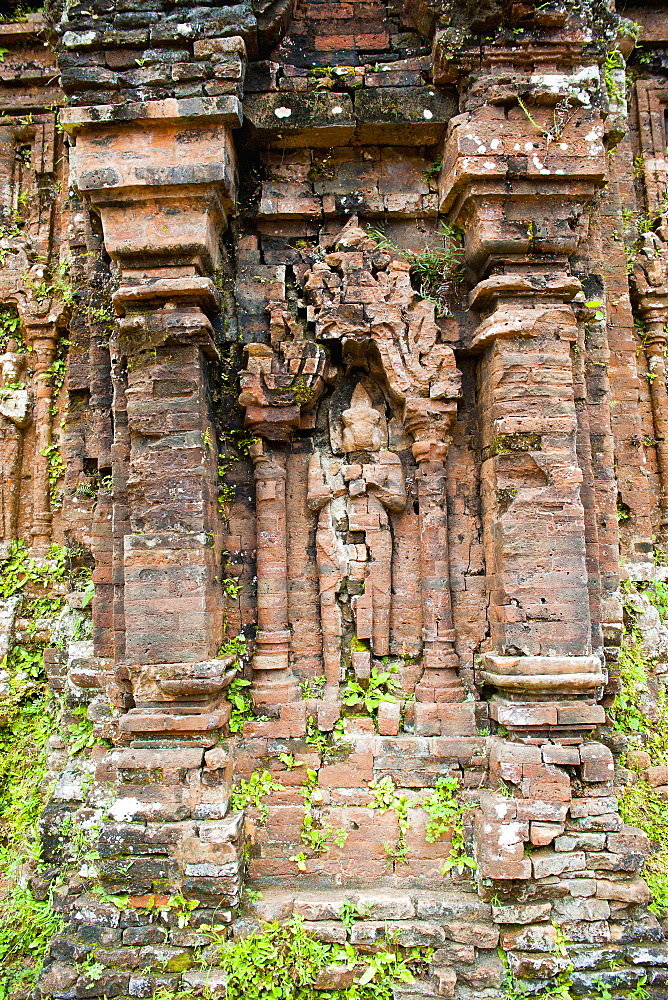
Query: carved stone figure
pixel 15 412
pixel 353 536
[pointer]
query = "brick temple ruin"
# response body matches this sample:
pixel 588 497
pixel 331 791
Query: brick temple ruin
pixel 298 449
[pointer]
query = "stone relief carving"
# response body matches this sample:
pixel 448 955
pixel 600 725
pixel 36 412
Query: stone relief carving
pixel 361 296
pixel 650 286
pixel 15 411
pixel 353 496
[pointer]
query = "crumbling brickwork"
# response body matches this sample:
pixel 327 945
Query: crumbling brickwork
pixel 333 341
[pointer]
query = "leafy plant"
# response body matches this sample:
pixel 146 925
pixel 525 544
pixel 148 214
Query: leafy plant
pixel 350 912
pixel 29 716
pixel 56 470
pixel 282 962
pixel 432 267
pixel 254 791
pixel 10 327
pixel 386 796
pixel 446 815
pixel 315 834
pixel 561 116
pixel 381 686
pixel 242 706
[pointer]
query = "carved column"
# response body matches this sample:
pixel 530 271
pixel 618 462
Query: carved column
pixel 439 682
pixel 655 348
pixel 162 217
pixel 280 386
pixel 650 283
pixel 273 681
pixel 522 201
pixel 42 336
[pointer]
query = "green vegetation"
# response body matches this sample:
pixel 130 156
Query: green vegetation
pixel 386 796
pixel 20 10
pixel 10 328
pixel 315 834
pixel 254 791
pixel 434 267
pixel 242 706
pixel 612 67
pixel 29 715
pixel 283 961
pixel 56 471
pixel 366 696
pixel 647 728
pixel 446 815
pixel 563 112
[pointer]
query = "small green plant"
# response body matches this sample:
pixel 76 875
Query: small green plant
pixel 282 962
pixel 432 171
pixel 312 687
pixel 367 696
pixel 10 327
pixel 432 267
pixel 91 970
pixel 231 587
pixel 242 706
pixel 351 912
pixel 598 307
pixel 386 796
pixel 315 834
pixel 254 791
pixel 446 815
pixel 563 112
pixel 56 470
pixel 614 63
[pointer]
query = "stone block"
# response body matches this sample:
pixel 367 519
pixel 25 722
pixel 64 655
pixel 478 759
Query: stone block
pixel 472 933
pixel 554 753
pixel 328 931
pixel 546 863
pixel 657 775
pixel 384 906
pixel 580 842
pixel 445 979
pixel 531 937
pixel 209 982
pixel 593 806
pixel 517 914
pixel 581 909
pixel 629 890
pixel 629 840
pixel 597 762
pixel 587 931
pixel 638 760
pixel 318 906
pixel 580 886
pixel 542 834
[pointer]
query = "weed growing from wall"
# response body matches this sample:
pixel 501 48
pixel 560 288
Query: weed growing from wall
pixel 386 796
pixel 446 816
pixel 254 791
pixel 641 805
pixel 29 715
pixel 434 268
pixel 283 962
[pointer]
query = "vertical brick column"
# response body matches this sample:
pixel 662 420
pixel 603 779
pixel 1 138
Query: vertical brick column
pixel 42 339
pixel 522 221
pixel 650 282
pixel 162 214
pixel 273 682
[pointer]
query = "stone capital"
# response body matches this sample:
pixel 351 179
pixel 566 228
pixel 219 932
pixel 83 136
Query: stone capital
pixel 161 174
pixel 518 184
